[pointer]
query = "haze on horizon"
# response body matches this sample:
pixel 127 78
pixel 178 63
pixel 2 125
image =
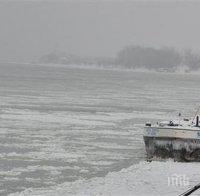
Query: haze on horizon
pixel 93 28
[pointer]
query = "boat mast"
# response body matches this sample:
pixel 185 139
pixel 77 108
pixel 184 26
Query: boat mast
pixel 196 113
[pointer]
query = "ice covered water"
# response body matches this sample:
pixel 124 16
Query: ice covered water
pixel 60 124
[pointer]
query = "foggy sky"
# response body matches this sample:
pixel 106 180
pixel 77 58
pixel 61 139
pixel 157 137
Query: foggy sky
pixel 94 28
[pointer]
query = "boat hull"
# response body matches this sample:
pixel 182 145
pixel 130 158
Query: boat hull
pixel 180 145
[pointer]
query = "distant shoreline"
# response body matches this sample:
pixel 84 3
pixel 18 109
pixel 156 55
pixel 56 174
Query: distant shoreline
pixel 97 67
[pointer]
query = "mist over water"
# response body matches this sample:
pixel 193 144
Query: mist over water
pixel 60 124
pixel 30 29
pixel 75 108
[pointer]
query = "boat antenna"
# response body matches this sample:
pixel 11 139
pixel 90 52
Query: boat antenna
pixel 190 191
pixel 196 113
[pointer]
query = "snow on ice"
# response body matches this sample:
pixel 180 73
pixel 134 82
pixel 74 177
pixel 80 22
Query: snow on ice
pixel 152 179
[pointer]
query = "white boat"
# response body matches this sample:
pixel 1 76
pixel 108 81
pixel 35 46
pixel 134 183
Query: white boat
pixel 178 139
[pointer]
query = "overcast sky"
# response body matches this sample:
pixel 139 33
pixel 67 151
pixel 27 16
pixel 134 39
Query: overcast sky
pixel 94 28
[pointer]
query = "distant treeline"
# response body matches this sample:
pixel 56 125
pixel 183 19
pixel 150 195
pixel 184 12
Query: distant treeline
pixel 164 58
pixel 134 57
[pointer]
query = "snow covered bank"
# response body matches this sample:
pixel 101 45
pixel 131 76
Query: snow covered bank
pixel 155 179
pixel 180 70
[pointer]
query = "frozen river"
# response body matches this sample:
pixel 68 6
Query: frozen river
pixel 59 124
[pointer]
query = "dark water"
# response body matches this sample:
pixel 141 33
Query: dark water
pixel 59 124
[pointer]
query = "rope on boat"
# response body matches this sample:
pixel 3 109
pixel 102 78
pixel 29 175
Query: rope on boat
pixel 190 191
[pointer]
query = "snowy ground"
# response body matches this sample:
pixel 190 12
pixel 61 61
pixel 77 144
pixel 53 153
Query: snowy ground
pixel 143 179
pixel 63 124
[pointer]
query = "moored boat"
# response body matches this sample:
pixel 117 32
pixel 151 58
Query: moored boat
pixel 178 139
